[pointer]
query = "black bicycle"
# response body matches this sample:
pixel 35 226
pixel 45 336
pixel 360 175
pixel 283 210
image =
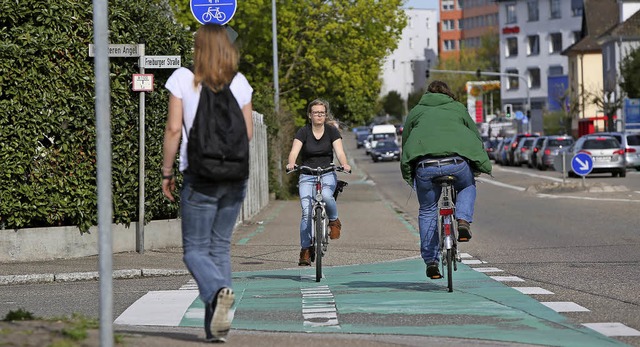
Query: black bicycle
pixel 319 234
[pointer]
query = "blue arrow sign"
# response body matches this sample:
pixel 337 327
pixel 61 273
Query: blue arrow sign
pixel 582 164
pixel 213 11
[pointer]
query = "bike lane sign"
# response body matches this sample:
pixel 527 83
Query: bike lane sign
pixel 582 164
pixel 213 11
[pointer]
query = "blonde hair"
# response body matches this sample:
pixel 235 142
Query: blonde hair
pixel 215 57
pixel 327 109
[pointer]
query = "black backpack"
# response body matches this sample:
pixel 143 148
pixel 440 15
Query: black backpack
pixel 217 145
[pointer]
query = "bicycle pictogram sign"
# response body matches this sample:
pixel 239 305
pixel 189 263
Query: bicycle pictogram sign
pixel 213 11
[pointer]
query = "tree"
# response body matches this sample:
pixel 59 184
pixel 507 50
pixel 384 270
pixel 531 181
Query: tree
pixel 393 104
pixel 630 70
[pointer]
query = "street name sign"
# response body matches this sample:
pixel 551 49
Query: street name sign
pixel 582 164
pixel 125 50
pixel 142 83
pixel 161 61
pixel 213 11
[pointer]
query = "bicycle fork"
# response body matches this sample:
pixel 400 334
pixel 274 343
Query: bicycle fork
pixel 446 217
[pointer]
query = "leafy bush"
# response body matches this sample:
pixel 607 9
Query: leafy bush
pixel 47 117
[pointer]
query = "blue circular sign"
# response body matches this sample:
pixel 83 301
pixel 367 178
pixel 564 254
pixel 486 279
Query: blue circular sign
pixel 582 164
pixel 213 11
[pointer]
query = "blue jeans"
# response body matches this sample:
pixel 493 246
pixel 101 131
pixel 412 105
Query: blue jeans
pixel 428 196
pixel 207 226
pixel 306 189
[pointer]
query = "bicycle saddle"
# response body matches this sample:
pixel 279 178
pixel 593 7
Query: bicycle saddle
pixel 444 179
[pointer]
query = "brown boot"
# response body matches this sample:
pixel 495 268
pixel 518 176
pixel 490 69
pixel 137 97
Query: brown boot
pixel 305 257
pixel 335 227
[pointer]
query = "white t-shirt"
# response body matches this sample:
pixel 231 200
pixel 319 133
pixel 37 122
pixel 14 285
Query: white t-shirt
pixel 180 84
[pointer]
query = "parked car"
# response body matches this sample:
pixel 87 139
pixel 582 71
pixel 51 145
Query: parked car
pixel 490 147
pixel 367 144
pixel 551 146
pixel 385 150
pixel 515 140
pixel 535 151
pixel 359 129
pixel 501 155
pixel 605 151
pixel 630 143
pixel 523 151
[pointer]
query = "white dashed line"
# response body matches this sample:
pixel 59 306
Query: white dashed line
pixel 487 269
pixel 507 278
pixel 532 290
pixel 472 261
pixel 612 329
pixel 564 306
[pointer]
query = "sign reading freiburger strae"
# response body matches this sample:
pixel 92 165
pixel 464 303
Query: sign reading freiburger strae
pixel 161 61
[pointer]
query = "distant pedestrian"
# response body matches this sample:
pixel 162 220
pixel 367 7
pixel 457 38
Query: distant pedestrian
pixel 316 142
pixel 440 138
pixel 209 208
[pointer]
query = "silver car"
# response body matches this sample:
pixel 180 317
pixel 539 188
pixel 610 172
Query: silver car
pixel 605 151
pixel 523 151
pixel 549 149
pixel 630 143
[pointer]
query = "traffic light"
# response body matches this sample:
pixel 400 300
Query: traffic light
pixel 426 73
pixel 478 73
pixel 508 111
pixel 528 114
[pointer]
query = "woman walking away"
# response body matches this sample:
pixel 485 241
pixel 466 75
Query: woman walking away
pixel 209 206
pixel 316 142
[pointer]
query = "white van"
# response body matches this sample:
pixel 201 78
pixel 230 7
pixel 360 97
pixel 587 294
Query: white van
pixel 383 132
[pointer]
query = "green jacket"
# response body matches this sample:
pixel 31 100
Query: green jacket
pixel 441 126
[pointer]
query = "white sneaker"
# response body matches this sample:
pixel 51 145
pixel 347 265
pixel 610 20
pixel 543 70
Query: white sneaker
pixel 221 322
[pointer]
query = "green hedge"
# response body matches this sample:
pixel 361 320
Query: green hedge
pixel 47 117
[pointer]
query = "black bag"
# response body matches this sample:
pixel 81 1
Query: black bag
pixel 218 146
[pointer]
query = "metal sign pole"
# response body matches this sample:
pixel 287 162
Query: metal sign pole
pixel 141 121
pixel 103 145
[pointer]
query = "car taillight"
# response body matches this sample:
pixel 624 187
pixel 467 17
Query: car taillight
pixel 514 145
pixel 523 149
pixel 630 150
pixel 583 151
pixel 620 151
pixel 535 150
pixel 547 151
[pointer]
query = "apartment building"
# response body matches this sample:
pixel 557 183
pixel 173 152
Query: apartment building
pixel 463 23
pixel 404 69
pixel 533 33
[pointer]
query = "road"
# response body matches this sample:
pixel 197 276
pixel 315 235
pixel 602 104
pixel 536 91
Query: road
pixel 582 247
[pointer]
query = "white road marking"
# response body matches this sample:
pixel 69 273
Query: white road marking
pixel 500 184
pixel 487 269
pixel 160 308
pixel 472 261
pixel 465 255
pixel 319 307
pixel 532 290
pixel 555 179
pixel 612 329
pixel 564 306
pixel 507 278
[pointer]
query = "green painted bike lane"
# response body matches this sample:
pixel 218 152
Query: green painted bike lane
pixel 396 298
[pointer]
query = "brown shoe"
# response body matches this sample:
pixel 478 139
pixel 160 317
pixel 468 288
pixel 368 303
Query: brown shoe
pixel 464 231
pixel 335 227
pixel 305 257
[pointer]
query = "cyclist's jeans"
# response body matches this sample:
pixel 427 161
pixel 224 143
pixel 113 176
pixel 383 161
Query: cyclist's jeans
pixel 306 189
pixel 428 195
pixel 207 226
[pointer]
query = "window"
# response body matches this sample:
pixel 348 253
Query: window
pixel 512 47
pixel 554 9
pixel 532 9
pixel 556 70
pixel 449 45
pixel 393 64
pixel 577 6
pixel 577 36
pixel 428 25
pixel 447 5
pixel 534 78
pixel 555 42
pixel 448 25
pixel 512 81
pixel 534 45
pixel 510 10
pixel 411 42
pixel 460 25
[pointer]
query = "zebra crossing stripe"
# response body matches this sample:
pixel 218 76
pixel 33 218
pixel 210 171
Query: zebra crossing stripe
pixel 319 307
pixel 161 308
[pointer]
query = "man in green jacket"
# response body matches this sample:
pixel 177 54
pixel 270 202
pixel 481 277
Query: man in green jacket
pixel 440 138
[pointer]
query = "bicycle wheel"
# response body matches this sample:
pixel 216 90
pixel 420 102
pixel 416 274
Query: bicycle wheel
pixel 449 261
pixel 319 228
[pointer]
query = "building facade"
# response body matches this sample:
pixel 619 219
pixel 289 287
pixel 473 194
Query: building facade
pixel 404 69
pixel 533 33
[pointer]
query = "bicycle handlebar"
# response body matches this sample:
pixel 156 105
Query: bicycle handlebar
pixel 318 170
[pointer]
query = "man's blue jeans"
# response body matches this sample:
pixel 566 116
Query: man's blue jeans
pixel 207 226
pixel 306 189
pixel 428 196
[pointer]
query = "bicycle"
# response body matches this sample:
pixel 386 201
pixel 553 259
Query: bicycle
pixel 447 227
pixel 218 15
pixel 320 223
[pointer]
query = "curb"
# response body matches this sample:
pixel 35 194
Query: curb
pixel 87 276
